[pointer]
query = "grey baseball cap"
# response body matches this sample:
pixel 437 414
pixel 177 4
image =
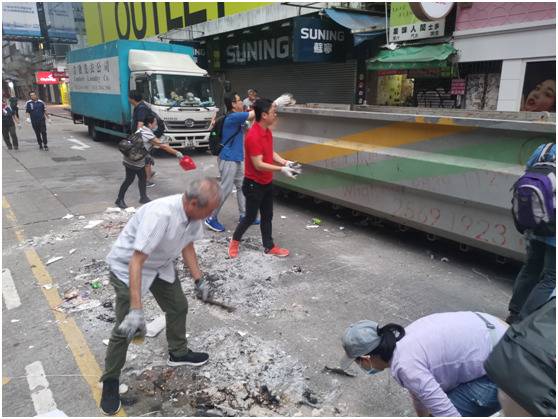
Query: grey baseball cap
pixel 360 339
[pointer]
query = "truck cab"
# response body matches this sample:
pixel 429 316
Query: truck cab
pixel 178 91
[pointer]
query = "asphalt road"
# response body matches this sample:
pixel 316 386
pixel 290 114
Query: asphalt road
pixel 294 310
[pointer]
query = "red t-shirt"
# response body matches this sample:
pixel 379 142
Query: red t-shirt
pixel 258 141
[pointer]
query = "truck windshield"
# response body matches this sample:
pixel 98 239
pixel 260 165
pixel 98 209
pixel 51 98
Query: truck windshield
pixel 180 90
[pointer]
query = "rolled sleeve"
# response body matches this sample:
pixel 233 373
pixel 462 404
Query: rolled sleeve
pixel 150 233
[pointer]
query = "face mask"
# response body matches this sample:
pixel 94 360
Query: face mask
pixel 371 371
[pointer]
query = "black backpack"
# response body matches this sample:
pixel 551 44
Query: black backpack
pixel 523 363
pixel 132 147
pixel 161 127
pixel 216 135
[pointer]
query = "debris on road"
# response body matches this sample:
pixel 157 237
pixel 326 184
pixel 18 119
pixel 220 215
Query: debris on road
pixel 311 226
pixel 339 371
pixel 130 210
pixel 105 342
pixel 54 259
pixel 316 221
pixel 14 321
pixel 93 224
pixel 47 286
pixel 445 260
pixel 72 251
pixel 81 217
pixel 113 210
pixel 283 217
pixel 68 217
pixel 341 228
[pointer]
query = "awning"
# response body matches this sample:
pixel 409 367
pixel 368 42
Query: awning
pixel 356 21
pixel 361 37
pixel 407 58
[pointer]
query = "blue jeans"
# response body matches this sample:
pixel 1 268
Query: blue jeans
pixel 476 398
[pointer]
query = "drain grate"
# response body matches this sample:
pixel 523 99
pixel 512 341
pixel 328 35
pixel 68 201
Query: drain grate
pixel 73 158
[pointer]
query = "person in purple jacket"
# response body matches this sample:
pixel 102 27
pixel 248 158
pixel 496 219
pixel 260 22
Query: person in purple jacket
pixel 438 359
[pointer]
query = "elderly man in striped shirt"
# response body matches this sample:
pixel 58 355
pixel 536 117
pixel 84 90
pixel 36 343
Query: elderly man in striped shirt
pixel 142 260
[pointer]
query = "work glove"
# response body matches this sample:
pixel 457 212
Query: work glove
pixel 284 100
pixel 133 324
pixel 28 120
pixel 294 165
pixel 290 172
pixel 179 155
pixel 203 288
pixel 19 125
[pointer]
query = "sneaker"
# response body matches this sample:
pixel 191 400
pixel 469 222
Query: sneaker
pixel 40 147
pixel 233 248
pixel 277 251
pixel 149 184
pixel 120 204
pixel 46 148
pixel 110 400
pixel 144 200
pixel 214 224
pixel 255 223
pixel 194 359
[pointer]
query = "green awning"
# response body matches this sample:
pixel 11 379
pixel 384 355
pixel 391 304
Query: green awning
pixel 409 58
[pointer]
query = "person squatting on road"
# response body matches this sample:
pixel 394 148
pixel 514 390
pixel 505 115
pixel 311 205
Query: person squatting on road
pixel 9 121
pixel 36 109
pixel 230 159
pixel 142 260
pixel 438 359
pixel 137 168
pixel 140 112
pixel 537 278
pixel 257 187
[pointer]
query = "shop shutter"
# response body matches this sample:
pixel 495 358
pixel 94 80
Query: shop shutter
pixel 308 82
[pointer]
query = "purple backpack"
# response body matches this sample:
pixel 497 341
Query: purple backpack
pixel 534 197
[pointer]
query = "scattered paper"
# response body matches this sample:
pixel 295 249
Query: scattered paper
pixel 283 217
pixel 113 209
pixel 444 260
pixel 68 217
pixel 31 346
pixel 106 342
pixel 130 210
pixel 123 388
pixel 308 227
pixel 72 251
pixel 47 286
pixel 93 224
pixel 341 228
pixel 81 217
pixel 14 320
pixel 156 326
pixel 54 259
pixel 241 333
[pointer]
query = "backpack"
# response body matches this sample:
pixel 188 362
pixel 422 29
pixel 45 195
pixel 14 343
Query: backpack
pixel 523 363
pixel 534 197
pixel 132 147
pixel 216 135
pixel 161 127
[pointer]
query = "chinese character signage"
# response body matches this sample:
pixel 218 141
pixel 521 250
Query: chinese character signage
pixel 405 26
pixel 95 76
pixel 458 86
pixel 317 40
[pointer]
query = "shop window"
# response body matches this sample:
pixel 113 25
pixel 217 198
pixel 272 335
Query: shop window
pixel 482 84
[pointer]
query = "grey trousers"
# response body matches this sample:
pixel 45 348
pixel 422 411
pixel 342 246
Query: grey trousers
pixel 231 175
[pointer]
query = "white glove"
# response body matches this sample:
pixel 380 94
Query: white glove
pixel 19 125
pixel 133 324
pixel 290 172
pixel 28 120
pixel 49 120
pixel 284 100
pixel 294 165
pixel 179 155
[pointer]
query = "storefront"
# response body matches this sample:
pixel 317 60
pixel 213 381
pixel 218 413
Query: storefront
pixel 310 56
pixel 53 86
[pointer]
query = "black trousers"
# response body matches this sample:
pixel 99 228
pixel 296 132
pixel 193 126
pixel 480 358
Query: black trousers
pixel 131 173
pixel 8 131
pixel 40 131
pixel 258 198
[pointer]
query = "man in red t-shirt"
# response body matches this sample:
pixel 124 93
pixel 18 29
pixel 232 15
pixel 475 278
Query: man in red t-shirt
pixel 260 162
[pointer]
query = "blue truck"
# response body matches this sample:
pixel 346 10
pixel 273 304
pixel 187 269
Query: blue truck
pixel 171 83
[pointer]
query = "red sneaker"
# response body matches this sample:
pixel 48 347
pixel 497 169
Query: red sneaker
pixel 277 251
pixel 233 248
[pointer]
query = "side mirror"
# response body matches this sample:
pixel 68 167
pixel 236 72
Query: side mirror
pixel 227 86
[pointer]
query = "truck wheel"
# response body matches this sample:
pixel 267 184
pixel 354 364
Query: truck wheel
pixel 94 134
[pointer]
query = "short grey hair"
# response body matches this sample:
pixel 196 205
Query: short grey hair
pixel 203 190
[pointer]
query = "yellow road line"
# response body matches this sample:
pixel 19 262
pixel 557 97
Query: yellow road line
pixel 83 356
pixel 390 135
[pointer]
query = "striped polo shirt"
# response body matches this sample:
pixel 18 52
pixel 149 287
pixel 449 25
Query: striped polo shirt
pixel 159 229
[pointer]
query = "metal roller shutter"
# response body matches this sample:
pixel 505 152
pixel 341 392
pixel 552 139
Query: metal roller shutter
pixel 308 82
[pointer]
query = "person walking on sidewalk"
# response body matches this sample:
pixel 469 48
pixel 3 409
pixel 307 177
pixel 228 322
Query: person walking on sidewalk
pixel 260 163
pixel 9 121
pixel 137 168
pixel 36 109
pixel 142 260
pixel 438 359
pixel 230 159
pixel 142 111
pixel 537 278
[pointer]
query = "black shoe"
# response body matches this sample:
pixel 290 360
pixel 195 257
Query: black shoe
pixel 191 358
pixel 16 148
pixel 46 148
pixel 120 204
pixel 40 147
pixel 9 147
pixel 149 184
pixel 512 318
pixel 145 200
pixel 110 400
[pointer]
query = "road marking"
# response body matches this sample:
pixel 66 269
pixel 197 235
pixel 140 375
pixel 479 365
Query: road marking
pixel 80 145
pixel 40 393
pixel 86 362
pixel 9 290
